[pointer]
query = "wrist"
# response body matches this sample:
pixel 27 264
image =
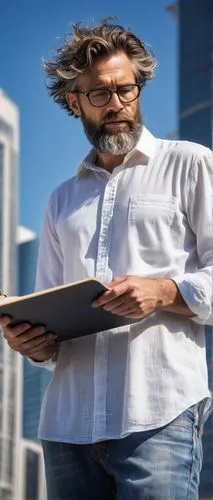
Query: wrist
pixel 42 358
pixel 168 292
pixel 171 299
pixel 37 359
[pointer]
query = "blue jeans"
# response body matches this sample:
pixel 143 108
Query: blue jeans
pixel 161 464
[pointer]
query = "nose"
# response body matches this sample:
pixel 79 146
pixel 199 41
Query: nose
pixel 115 104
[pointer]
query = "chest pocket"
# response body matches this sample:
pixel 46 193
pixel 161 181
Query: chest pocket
pixel 152 208
pixel 150 221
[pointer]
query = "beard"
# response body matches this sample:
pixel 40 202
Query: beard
pixel 116 140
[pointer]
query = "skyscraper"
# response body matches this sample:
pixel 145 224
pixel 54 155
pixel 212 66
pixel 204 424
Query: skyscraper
pixel 195 42
pixel 9 153
pixel 34 380
pixel 31 485
pixel 10 371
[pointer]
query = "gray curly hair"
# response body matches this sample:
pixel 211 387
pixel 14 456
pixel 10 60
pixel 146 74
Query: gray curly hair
pixel 85 46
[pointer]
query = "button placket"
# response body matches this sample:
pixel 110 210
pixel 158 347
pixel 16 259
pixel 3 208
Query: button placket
pixel 103 273
pixel 104 243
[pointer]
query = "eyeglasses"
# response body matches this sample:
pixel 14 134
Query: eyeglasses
pixel 101 97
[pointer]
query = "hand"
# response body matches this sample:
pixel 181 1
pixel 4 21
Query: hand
pixel 133 296
pixel 32 341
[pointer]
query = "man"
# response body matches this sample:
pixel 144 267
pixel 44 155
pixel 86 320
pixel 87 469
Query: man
pixel 122 417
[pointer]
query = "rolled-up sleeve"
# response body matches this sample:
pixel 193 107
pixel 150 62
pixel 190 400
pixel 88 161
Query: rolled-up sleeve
pixel 196 287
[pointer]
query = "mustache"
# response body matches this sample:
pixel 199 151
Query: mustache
pixel 115 117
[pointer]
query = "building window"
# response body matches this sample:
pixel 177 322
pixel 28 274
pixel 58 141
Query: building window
pixel 32 475
pixel 6 129
pixel 7 459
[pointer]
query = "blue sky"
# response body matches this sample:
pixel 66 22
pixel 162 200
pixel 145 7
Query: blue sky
pixel 52 143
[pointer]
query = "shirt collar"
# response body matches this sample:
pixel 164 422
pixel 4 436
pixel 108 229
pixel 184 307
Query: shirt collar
pixel 145 147
pixel 146 144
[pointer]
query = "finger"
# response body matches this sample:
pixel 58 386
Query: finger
pixel 41 345
pixel 5 320
pixel 35 344
pixel 125 310
pixel 11 332
pixel 31 333
pixel 115 292
pixel 47 342
pixel 32 341
pixel 50 345
pixel 133 311
pixel 17 330
pixel 106 296
pixel 122 301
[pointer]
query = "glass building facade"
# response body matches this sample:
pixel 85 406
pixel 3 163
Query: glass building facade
pixel 195 41
pixel 35 380
pixel 31 485
pixel 195 27
pixel 10 374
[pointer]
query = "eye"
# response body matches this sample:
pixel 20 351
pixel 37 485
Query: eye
pixel 127 89
pixel 99 93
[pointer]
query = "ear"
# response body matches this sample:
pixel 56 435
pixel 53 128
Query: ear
pixel 72 102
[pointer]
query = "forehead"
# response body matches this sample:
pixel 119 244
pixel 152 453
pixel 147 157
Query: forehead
pixel 116 68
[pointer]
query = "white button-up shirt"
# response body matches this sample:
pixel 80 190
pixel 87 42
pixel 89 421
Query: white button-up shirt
pixel 151 217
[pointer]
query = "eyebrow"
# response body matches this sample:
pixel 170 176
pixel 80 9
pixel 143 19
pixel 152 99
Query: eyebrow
pixel 104 87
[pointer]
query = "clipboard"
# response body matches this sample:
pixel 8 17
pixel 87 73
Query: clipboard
pixel 65 310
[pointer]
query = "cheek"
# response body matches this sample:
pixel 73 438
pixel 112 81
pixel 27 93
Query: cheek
pixel 96 115
pixel 90 113
pixel 135 109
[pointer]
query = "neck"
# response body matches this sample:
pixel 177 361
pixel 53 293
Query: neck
pixel 109 162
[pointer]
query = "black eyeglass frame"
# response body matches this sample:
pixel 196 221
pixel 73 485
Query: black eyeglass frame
pixel 110 92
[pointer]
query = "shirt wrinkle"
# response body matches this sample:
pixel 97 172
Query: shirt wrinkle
pixel 136 221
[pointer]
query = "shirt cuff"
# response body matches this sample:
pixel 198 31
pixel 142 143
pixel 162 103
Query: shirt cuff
pixel 50 363
pixel 196 296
